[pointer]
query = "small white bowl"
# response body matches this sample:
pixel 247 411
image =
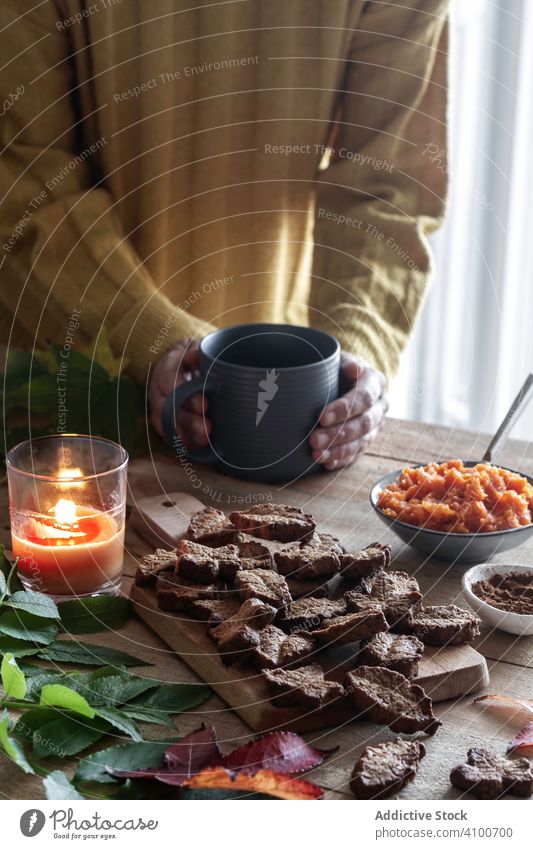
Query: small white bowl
pixel 513 623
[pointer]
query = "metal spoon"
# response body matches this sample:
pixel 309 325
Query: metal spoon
pixel 513 414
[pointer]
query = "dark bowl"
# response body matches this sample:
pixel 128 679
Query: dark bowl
pixel 453 548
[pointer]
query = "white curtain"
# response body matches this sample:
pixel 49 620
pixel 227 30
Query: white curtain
pixel 473 345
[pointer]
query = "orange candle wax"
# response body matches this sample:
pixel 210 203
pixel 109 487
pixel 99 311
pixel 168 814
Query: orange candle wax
pixel 74 552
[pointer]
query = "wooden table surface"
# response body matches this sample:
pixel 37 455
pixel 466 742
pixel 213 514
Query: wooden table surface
pixel 340 503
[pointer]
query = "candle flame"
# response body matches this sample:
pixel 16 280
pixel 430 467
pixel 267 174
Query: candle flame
pixel 68 475
pixel 65 512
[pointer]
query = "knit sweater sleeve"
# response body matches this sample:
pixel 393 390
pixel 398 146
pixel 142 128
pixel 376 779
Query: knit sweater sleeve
pixel 61 243
pixel 385 186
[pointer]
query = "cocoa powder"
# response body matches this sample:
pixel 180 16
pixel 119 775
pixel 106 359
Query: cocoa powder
pixel 512 591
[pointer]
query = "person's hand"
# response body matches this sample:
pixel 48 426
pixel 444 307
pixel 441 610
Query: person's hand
pixel 349 424
pixel 175 367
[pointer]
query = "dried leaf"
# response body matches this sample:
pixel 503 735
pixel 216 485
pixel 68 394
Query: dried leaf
pixel 282 751
pixel 266 782
pixel 195 752
pixel 523 742
pixel 520 709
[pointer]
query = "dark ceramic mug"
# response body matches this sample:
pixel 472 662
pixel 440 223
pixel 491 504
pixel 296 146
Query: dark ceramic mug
pixel 267 385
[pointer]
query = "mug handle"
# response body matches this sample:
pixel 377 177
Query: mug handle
pixel 171 407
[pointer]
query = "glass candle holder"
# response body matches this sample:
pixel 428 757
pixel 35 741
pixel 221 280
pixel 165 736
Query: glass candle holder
pixel 67 504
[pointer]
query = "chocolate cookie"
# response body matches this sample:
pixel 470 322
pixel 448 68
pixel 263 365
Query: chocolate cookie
pixel 278 522
pixel 175 593
pixel 397 592
pixel 276 649
pixel 300 589
pixel 201 564
pixel 386 768
pixel 489 776
pixel 398 652
pixel 375 556
pixel 253 552
pixel 214 611
pixel 349 628
pixel 388 698
pixel 307 562
pixel 252 555
pixel 153 565
pixel 442 625
pixel 326 542
pixel 238 635
pixel 308 613
pixel 265 585
pixel 211 527
pixel 305 687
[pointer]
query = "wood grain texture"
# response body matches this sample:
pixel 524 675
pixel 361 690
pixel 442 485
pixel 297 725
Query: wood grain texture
pixel 163 520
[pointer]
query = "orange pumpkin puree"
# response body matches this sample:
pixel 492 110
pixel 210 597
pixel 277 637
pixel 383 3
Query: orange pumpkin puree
pixel 455 498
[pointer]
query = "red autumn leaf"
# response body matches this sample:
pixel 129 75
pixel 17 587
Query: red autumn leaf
pixel 195 752
pixel 266 781
pixel 282 751
pixel 274 754
pixel 523 742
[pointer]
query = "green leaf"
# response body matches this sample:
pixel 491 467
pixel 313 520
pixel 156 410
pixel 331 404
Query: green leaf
pixel 39 395
pixel 36 682
pixel 9 573
pixel 31 670
pixel 33 719
pixel 100 401
pixel 81 682
pixel 32 602
pixel 46 360
pixel 65 736
pixel 80 365
pixel 57 786
pixel 90 654
pixel 11 747
pixel 175 698
pixel 117 689
pixel 18 648
pixel 3 584
pixel 56 734
pixel 128 756
pixel 152 716
pixel 57 695
pixel 93 614
pixel 27 626
pixel 120 721
pixel 99 351
pixel 21 366
pixel 13 680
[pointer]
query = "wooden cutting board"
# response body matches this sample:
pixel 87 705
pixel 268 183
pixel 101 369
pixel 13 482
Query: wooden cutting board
pixel 445 673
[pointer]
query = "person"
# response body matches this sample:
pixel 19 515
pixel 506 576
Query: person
pixel 171 168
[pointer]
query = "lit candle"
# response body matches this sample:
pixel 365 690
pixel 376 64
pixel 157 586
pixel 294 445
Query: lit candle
pixel 73 551
pixel 67 506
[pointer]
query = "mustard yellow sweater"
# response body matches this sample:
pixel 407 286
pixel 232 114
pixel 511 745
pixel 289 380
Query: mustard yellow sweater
pixel 178 165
